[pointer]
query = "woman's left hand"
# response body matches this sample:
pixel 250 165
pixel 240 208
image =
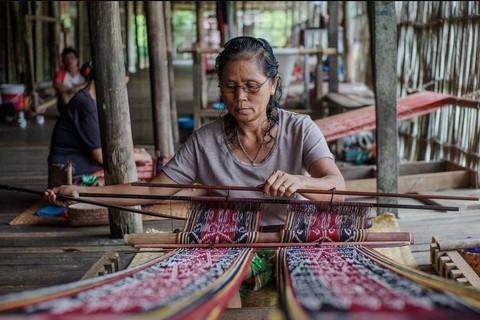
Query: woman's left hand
pixel 281 184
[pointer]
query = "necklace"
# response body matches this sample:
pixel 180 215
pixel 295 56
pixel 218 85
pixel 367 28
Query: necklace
pixel 252 161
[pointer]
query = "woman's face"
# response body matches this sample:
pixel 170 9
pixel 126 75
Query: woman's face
pixel 246 90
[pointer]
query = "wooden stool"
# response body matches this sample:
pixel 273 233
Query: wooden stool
pixel 59 174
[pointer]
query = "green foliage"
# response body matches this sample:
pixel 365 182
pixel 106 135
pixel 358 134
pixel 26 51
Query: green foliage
pixel 184 28
pixel 275 26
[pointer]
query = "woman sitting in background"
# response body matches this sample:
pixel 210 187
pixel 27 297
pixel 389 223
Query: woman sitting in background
pixel 76 135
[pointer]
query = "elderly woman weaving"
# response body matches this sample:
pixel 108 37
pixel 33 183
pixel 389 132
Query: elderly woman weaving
pixel 254 143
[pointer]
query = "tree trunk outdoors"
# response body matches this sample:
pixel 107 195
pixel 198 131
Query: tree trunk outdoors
pixel 113 109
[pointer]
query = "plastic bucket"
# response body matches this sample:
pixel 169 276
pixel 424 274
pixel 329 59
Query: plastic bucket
pixel 13 93
pixel 286 59
pixel 286 63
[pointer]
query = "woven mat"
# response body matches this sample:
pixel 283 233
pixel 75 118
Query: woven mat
pixel 265 297
pixel 402 255
pixel 145 255
pixel 29 216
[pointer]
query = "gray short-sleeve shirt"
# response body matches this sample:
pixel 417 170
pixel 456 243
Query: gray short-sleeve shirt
pixel 207 158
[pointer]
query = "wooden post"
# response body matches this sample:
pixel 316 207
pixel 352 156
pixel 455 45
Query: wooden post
pixel 136 12
pixel 347 43
pixel 38 44
pixel 383 30
pixel 113 109
pixel 167 11
pixel 32 89
pixel 333 43
pixel 230 20
pixel 130 32
pixel 162 118
pixel 199 85
pixel 84 47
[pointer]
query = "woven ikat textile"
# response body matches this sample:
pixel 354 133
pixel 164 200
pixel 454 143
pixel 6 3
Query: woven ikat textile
pixel 352 282
pixel 321 221
pixel 184 284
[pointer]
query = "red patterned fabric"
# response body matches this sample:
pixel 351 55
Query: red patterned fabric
pixel 221 223
pixel 348 282
pixel 320 221
pixel 185 284
pixel 363 119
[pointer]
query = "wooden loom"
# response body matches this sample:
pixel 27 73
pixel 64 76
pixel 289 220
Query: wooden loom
pixel 272 239
pixel 449 262
pixel 37 303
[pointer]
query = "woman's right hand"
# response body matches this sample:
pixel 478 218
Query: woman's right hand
pixel 51 195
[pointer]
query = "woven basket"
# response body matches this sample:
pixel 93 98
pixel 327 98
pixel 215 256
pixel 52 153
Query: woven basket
pixel 84 214
pixel 472 257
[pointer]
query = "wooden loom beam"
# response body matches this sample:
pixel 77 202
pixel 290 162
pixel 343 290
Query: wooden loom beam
pixel 373 244
pixel 264 237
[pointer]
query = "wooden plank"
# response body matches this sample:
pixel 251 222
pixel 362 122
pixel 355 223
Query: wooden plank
pixel 126 249
pixel 30 277
pixel 417 183
pixel 11 288
pixel 342 101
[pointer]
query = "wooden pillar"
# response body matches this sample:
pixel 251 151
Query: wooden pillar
pixel 38 43
pixel 230 20
pixel 199 78
pixel 84 48
pixel 347 43
pixel 130 32
pixel 383 30
pixel 30 70
pixel 113 109
pixel 160 92
pixel 136 12
pixel 167 10
pixel 333 43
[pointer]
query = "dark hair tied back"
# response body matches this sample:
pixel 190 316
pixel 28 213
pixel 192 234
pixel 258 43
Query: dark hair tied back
pixel 259 50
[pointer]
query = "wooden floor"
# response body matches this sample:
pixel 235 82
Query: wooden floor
pixel 37 256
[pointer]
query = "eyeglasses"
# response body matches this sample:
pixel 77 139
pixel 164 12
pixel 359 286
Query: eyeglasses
pixel 248 87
